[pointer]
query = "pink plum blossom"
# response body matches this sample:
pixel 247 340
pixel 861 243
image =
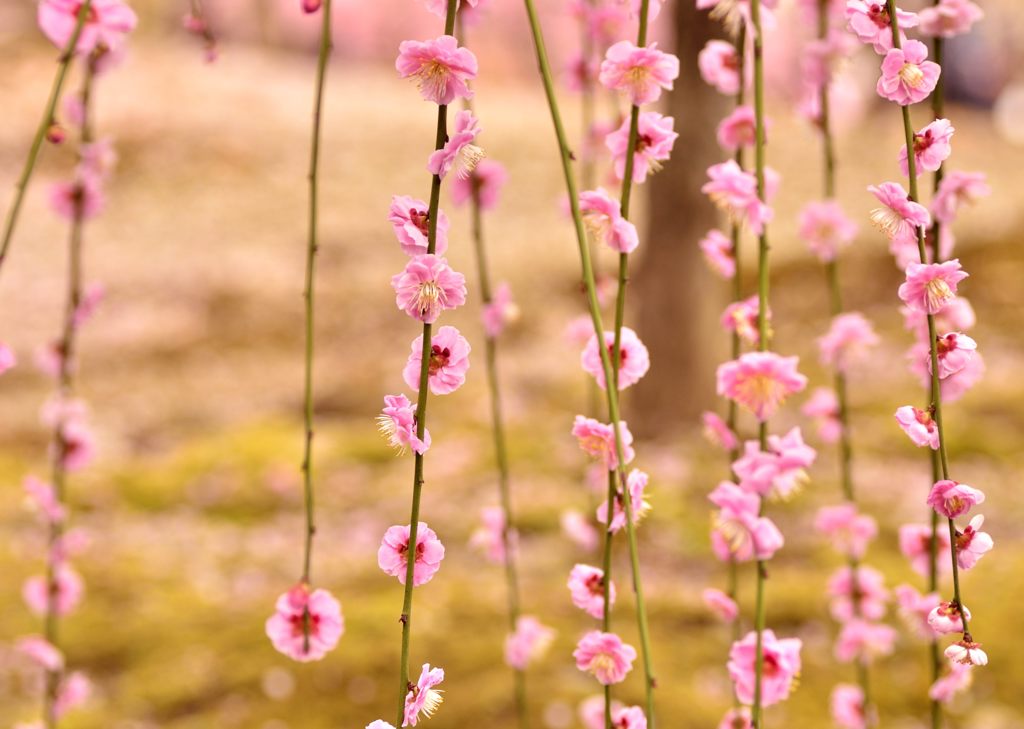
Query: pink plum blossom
pixel 952 499
pixel 919 426
pixel 106 25
pixel 956 190
pixel 734 192
pixel 720 66
pixel 397 423
pixel 863 640
pixel 949 18
pixel 847 704
pixel 947 617
pixel 82 197
pixel 41 651
pixel 449 362
pixel 861 596
pixel 69 590
pixel 74 690
pixel 737 129
pixel 915 544
pixel 44 499
pixel 427 287
pixel 410 219
pixel 955 352
pixel 640 73
pixel 528 643
pixel 972 544
pixel 634 360
pixel 655 137
pixel 578 529
pixel 781 666
pixel 870 22
pixel 899 217
pixel 737 719
pixel 931 148
pixel 907 77
pixel 966 652
pixel 849 531
pixel 486 179
pixel 848 339
pixel 499 312
pixel 423 698
pixel 760 381
pixel 440 67
pixel 379 724
pixel 603 219
pixel 591 711
pixel 826 228
pixel 741 317
pixel 718 252
pixel 76 443
pixel 605 656
pixel 915 609
pixel 738 531
pixel 958 679
pixel 720 604
pixel 7 358
pixel 718 432
pixel 598 441
pixel 489 537
pixel 629 717
pixel 587 587
pixel 823 406
pixel 458 152
pixel 931 286
pixel 392 557
pixel 299 610
pixel 636 483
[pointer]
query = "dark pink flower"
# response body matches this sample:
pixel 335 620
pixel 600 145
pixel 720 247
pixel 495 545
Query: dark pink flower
pixel 952 499
pixel 955 352
pixel 440 67
pixel 598 441
pixel 604 221
pixel 907 77
pixel 299 611
pixel 919 426
pixel 427 287
pixel 587 588
pixel 605 656
pixel 449 362
pixel 741 317
pixel 972 544
pixel 720 66
pixel 410 219
pixel 640 73
pixel 869 20
pixel 760 381
pixel 947 617
pixel 397 423
pixel 655 137
pixel 780 667
pixel 738 531
pixel 931 148
pixel 392 557
pixel 423 698
pixel 106 25
pixel 931 286
pixel 899 218
pixel 636 483
pixel 458 152
pixel 634 361
pixel 82 197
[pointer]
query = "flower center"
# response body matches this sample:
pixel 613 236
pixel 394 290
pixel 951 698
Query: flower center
pixel 735 534
pixel 432 78
pixel 912 75
pixel 438 358
pixel 759 390
pixel 430 299
pixel 421 219
pixel 389 429
pixel 602 663
pixel 595 585
pixel 937 293
pixel 887 220
pixel 598 225
pixel 467 159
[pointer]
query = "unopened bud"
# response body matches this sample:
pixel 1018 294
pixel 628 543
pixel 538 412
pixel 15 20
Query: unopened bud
pixel 311 6
pixel 56 133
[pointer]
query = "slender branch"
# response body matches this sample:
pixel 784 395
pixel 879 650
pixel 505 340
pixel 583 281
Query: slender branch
pixel 611 392
pixel 47 120
pixel 936 390
pixel 440 137
pixel 497 428
pixel 66 349
pixel 736 235
pixel 762 327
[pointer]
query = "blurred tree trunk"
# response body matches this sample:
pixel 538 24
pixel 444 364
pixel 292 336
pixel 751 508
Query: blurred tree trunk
pixel 678 299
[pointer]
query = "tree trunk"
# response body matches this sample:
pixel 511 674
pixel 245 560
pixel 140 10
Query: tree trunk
pixel 678 300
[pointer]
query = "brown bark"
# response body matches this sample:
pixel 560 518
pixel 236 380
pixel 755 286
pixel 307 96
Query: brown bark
pixel 677 299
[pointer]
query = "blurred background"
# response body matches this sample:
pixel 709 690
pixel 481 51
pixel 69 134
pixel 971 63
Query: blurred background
pixel 192 371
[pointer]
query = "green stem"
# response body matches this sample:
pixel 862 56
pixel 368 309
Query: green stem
pixel 762 326
pixel 440 136
pixel 611 393
pixel 47 120
pixel 66 348
pixel 606 565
